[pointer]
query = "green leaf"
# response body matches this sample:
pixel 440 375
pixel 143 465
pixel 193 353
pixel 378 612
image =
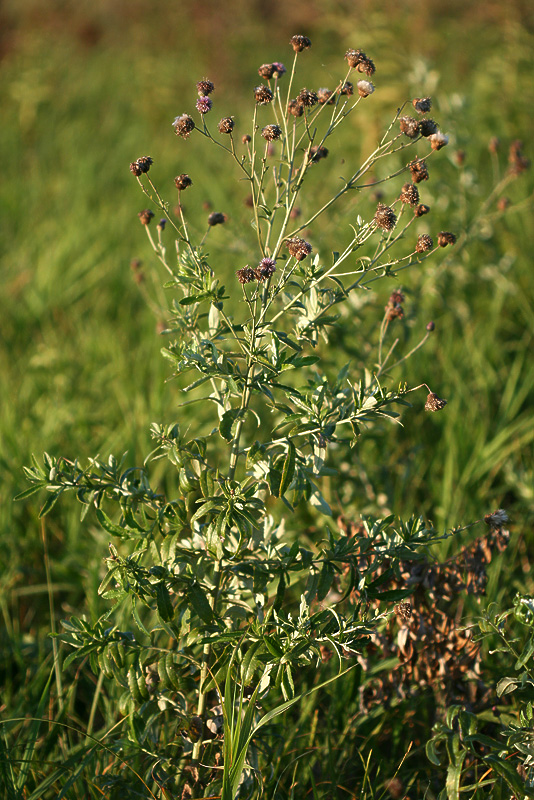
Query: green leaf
pixel 50 503
pixel 288 470
pixel 164 602
pixel 506 686
pixel 200 602
pixel 525 655
pixel 108 525
pixel 228 421
pixel 32 490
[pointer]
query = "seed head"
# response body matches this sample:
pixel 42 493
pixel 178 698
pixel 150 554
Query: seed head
pixel 422 104
pixel 385 217
pixel 216 218
pixel 347 88
pixel 325 96
pixel 516 159
pixel 266 71
pixel 307 98
pixel 204 87
pixel 271 132
pixel 409 127
pixel 359 61
pixel 246 275
pixel 418 170
pixel 431 326
pixel 409 194
pixel 434 403
pixel 438 140
pixel 496 519
pixel 365 88
pixel 427 127
pixel 265 269
pixel 183 125
pixel 445 238
pixel 298 248
pixel 226 125
pixel 424 243
pixel 141 166
pixel 421 210
pixel 317 152
pixel 300 43
pixel 394 311
pixel 204 105
pixel 246 138
pixel 294 108
pixel 135 169
pixel 263 95
pixel 182 181
pixel 145 216
pixel 404 610
pixel 279 69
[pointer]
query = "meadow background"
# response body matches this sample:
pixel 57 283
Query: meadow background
pixel 87 88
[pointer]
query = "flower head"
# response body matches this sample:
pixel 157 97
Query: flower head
pixel 421 210
pixel 385 217
pixel 409 194
pixel 183 125
pixel 427 127
pixel 424 243
pixel 409 127
pixel 365 88
pixel 445 238
pixel 317 152
pixel 265 269
pixel 246 275
pixel 141 166
pixel 279 69
pixel 271 133
pixel 347 89
pixel 295 109
pixel 263 95
pixel 422 104
pixel 226 125
pixel 325 96
pixel 216 218
pixel 418 170
pixel 182 181
pixel 434 403
pixel 300 43
pixel 266 71
pixel 204 87
pixel 496 519
pixel 307 98
pixel 358 60
pixel 204 105
pixel 298 248
pixel 145 216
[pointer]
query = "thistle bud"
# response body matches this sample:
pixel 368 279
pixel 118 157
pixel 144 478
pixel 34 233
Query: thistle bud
pixel 418 170
pixel 431 326
pixel 246 138
pixel 271 133
pixel 300 43
pixel 279 69
pixel 265 269
pixel 144 163
pixel 422 104
pixel 246 275
pixel 135 169
pixel 409 194
pixel 294 108
pixel 365 88
pixel 266 71
pixel 307 99
pixel 216 218
pixel 204 105
pixel 204 87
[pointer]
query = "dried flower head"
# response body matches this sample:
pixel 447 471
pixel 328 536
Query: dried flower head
pixel 263 95
pixel 427 127
pixel 300 43
pixel 409 194
pixel 365 88
pixel 359 61
pixel 424 243
pixel 409 127
pixel 404 610
pixel 246 275
pixel 265 269
pixel 135 169
pixel 422 104
pixel 385 217
pixel 347 88
pixel 246 138
pixel 204 105
pixel 396 298
pixel 394 311
pixel 226 125
pixel 145 216
pixel 182 181
pixel 431 326
pixel 271 132
pixel 295 108
pixel 205 87
pixel 142 164
pixel 298 248
pixel 438 140
pixel 307 98
pixel 445 238
pixel 418 170
pixel 279 69
pixel 266 71
pixel 421 210
pixel 493 144
pixel 496 519
pixel 434 403
pixel 317 152
pixel 216 218
pixel 325 96
pixel 183 125
pixel 516 159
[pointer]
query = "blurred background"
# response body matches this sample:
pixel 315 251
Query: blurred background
pixel 87 87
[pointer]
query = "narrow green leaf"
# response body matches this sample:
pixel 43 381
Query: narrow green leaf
pixel 288 470
pixel 200 602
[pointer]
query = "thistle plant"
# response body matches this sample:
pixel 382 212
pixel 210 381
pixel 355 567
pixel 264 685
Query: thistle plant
pixel 235 575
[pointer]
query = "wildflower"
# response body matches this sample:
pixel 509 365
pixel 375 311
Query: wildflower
pixel 422 104
pixel 204 105
pixel 279 69
pixel 271 133
pixel 424 243
pixel 516 159
pixel 427 127
pixel 446 238
pixel 307 98
pixel 359 61
pixel 266 71
pixel 140 166
pixel 347 89
pixel 216 218
pixel 246 138
pixel 434 403
pixel 493 144
pixel 145 216
pixel 263 95
pixel 246 275
pixel 418 170
pixel 226 125
pixel 265 269
pixel 204 87
pixel 295 108
pixel 394 311
pixel 182 181
pixel 396 298
pixel 365 88
pixel 325 96
pixel 431 326
pixel 409 194
pixel 438 140
pixel 300 43
pixel 317 152
pixel 183 125
pixel 135 169
pixel 161 224
pixel 496 519
pixel 421 210
pixel 385 217
pixel 409 127
pixel 298 248
pixel 404 610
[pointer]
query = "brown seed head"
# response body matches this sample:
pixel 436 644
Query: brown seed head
pixel 271 132
pixel 404 610
pixel 226 125
pixel 434 403
pixel 445 238
pixel 135 169
pixel 266 71
pixel 246 138
pixel 307 98
pixel 347 89
pixel 279 69
pixel 396 298
pixel 182 181
pixel 183 125
pixel 438 140
pixel 295 108
pixel 246 275
pixel 409 127
pixel 298 248
pixel 263 95
pixel 409 194
pixel 394 311
pixel 427 127
pixel 325 96
pixel 421 210
pixel 418 170
pixel 144 163
pixel 359 61
pixel 365 88
pixel 422 104
pixel 265 269
pixel 496 519
pixel 516 159
pixel 424 243
pixel 216 218
pixel 385 217
pixel 145 216
pixel 317 152
pixel 300 43
pixel 205 87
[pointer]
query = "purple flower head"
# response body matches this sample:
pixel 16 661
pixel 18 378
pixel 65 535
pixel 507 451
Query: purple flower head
pixel 204 104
